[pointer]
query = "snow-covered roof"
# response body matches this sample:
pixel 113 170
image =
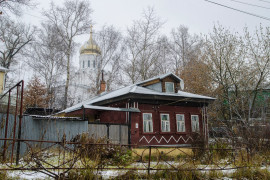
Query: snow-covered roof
pixel 161 77
pixel 2 69
pixel 104 108
pixel 132 89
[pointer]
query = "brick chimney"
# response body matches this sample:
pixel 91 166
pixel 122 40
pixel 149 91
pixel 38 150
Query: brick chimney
pixel 102 84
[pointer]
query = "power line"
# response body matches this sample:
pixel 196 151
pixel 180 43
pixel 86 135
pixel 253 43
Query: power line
pixel 245 12
pixel 250 4
pixel 35 16
pixel 264 1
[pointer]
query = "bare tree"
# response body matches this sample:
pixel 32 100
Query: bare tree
pixel 70 20
pixel 259 64
pixel 110 42
pixel 14 6
pixel 142 46
pixel 47 59
pixel 15 37
pixel 225 57
pixel 183 48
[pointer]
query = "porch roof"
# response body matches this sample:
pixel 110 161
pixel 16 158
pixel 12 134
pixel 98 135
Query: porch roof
pixel 102 108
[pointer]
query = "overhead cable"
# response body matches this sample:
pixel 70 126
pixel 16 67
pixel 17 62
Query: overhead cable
pixel 245 12
pixel 250 4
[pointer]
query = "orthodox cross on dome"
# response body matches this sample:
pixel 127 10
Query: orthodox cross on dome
pixel 91 32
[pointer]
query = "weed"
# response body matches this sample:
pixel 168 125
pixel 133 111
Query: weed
pixel 86 174
pixel 3 175
pixel 251 173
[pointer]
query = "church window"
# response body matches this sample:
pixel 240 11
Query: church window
pixel 88 63
pixel 83 65
pixel 94 64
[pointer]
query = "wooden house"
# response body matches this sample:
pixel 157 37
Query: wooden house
pixel 157 111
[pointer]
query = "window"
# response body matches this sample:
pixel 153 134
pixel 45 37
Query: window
pixel 195 123
pixel 88 63
pixel 169 87
pixel 165 122
pixel 147 122
pixel 83 65
pixel 180 121
pixel 94 63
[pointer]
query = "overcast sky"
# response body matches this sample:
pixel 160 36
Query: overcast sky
pixel 198 15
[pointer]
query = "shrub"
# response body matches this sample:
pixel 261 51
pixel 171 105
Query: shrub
pixel 198 144
pixel 3 175
pixel 219 149
pixel 250 173
pixel 89 148
pixel 86 174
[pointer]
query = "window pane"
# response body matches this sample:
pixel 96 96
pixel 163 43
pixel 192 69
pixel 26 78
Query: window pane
pixel 195 123
pixel 150 126
pixel 180 118
pixel 169 86
pixel 165 122
pixel 147 122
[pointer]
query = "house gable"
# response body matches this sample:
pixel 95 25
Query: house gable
pixel 159 83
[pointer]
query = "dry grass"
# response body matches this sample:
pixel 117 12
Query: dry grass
pixel 172 152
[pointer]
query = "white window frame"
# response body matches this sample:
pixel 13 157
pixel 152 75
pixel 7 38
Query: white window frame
pixel 195 125
pixel 166 87
pixel 165 124
pixel 147 123
pixel 180 123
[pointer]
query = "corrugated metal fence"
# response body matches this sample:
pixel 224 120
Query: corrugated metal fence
pixel 117 134
pixel 42 129
pixel 54 129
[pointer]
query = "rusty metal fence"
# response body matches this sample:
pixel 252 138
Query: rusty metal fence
pixel 60 157
pixel 17 100
pixel 57 159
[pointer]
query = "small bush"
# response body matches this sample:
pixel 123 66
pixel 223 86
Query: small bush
pixel 103 154
pixel 250 173
pixel 219 149
pixel 3 175
pixel 199 145
pixel 86 174
pixel 183 175
pixel 215 175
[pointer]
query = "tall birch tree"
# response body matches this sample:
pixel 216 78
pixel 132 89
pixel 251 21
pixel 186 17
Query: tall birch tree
pixel 70 20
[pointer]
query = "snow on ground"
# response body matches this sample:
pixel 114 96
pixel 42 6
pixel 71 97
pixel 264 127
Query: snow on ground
pixel 28 175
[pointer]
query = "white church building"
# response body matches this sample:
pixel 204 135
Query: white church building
pixel 83 85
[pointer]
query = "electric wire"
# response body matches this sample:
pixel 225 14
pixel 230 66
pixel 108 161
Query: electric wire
pixel 250 4
pixel 264 1
pixel 245 12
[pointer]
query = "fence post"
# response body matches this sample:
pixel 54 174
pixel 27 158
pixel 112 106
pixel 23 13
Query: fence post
pixel 129 129
pixel 149 161
pixel 20 126
pixel 14 127
pixel 120 134
pixel 6 129
pixel 108 133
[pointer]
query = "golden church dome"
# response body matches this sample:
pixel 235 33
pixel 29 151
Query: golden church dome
pixel 90 47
